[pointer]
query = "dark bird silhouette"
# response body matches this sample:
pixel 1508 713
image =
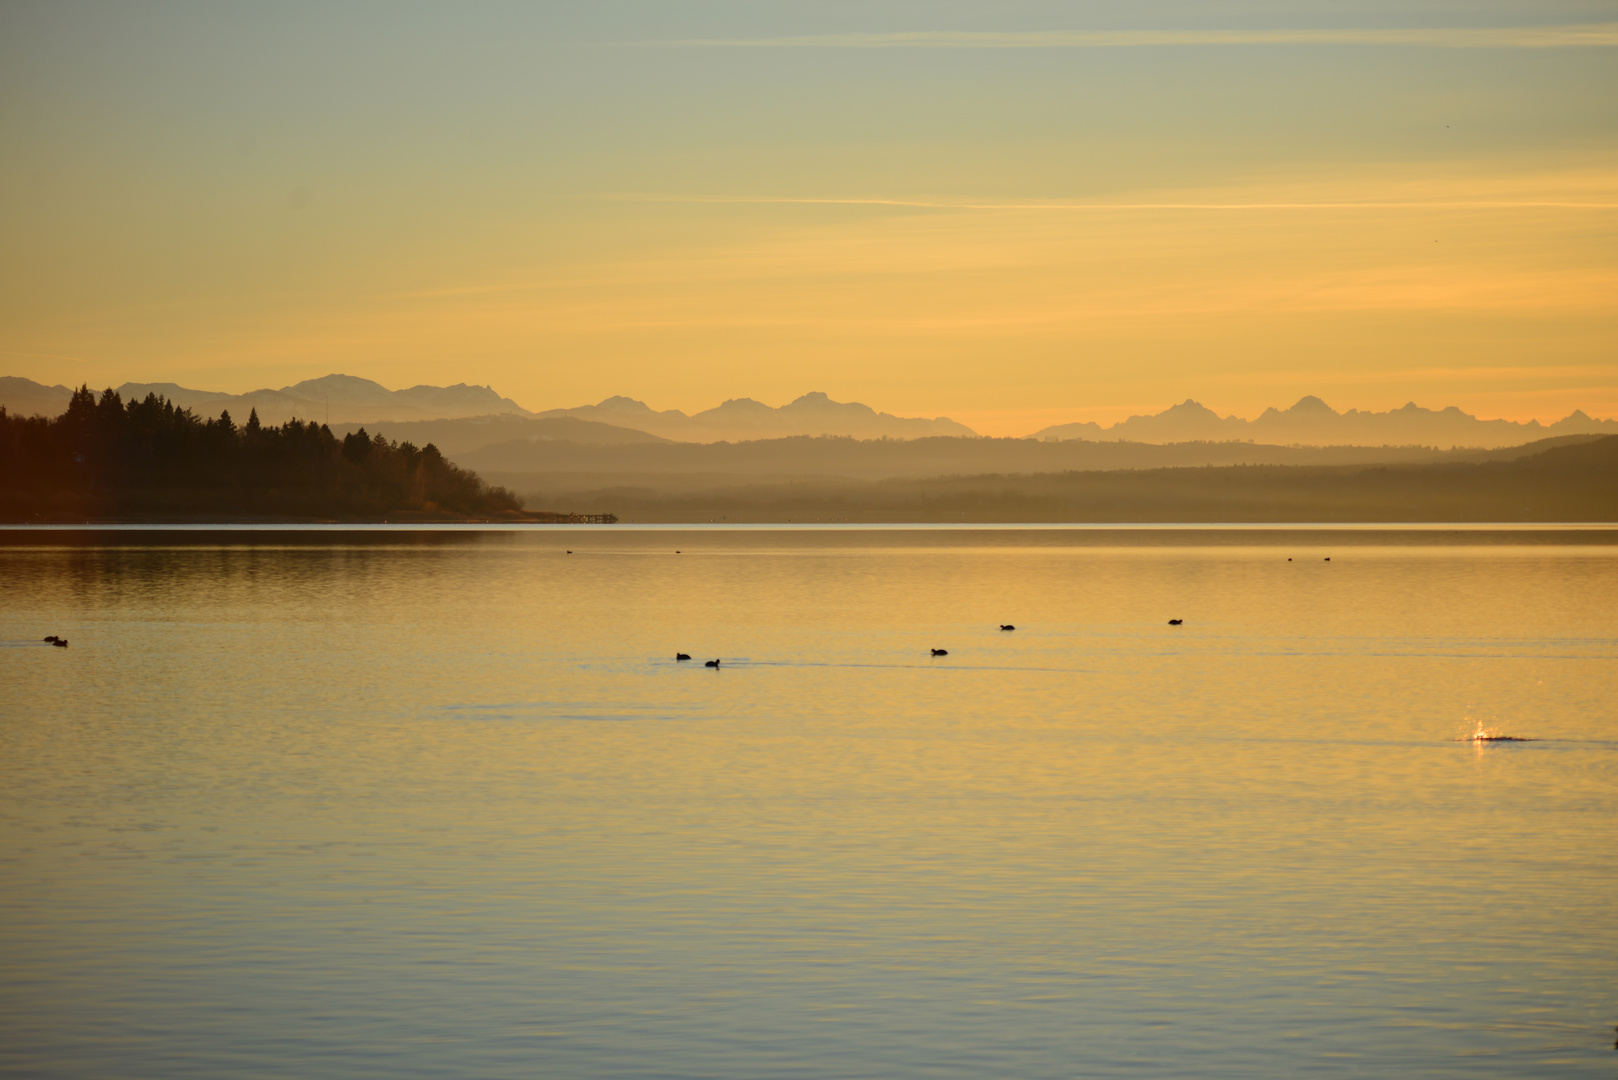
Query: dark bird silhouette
pixel 1328 558
pixel 570 551
pixel 711 663
pixel 60 643
pixel 1176 622
pixel 682 656
pixel 1007 626
pixel 53 639
pixel 940 652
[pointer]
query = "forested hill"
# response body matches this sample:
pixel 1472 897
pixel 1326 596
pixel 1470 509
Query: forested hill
pixel 146 460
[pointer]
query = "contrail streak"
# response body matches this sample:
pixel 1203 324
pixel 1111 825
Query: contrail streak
pixel 44 356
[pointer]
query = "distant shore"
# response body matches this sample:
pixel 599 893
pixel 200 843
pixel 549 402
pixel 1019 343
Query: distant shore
pixel 1572 482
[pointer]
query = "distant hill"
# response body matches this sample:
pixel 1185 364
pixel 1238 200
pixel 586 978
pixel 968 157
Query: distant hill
pixel 743 419
pixel 521 461
pixel 1312 422
pixel 349 400
pixel 1575 480
pixel 25 397
pixel 341 398
pixel 458 436
pixel 429 401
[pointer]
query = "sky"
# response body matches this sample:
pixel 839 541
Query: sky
pixel 1015 213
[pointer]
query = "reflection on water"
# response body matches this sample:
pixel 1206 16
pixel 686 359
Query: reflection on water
pixel 443 803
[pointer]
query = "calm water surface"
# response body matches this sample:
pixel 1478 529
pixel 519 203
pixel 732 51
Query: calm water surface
pixel 392 803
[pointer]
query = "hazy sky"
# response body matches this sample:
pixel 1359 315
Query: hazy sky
pixel 1011 213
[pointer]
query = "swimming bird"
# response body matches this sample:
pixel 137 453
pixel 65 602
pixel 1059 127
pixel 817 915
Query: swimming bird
pixel 60 643
pixel 53 639
pixel 712 664
pixel 682 656
pixel 1176 622
pixel 940 652
pixel 1328 558
pixel 1007 626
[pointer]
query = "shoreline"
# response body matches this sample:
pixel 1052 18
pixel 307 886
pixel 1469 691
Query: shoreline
pixel 201 521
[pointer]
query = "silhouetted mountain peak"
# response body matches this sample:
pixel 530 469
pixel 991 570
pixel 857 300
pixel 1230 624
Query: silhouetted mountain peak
pixel 1312 421
pixel 745 419
pixel 333 399
pixel 736 408
pixel 25 397
pixel 341 389
pixel 465 389
pixel 818 402
pixel 619 403
pixel 457 400
pixel 1190 408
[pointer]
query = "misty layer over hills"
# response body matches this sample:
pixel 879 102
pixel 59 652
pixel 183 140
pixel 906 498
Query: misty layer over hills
pixel 523 461
pixel 1574 478
pixel 487 418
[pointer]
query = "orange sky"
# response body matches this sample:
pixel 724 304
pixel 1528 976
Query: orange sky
pixel 1014 215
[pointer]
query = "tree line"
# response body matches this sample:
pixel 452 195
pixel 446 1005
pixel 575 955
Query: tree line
pixel 108 459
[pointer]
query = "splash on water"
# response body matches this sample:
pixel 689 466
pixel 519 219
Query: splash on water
pixel 1481 734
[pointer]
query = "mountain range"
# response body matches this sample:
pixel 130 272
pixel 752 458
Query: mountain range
pixel 332 398
pixel 477 416
pixel 1312 422
pixel 346 399
pixel 337 398
pixel 743 420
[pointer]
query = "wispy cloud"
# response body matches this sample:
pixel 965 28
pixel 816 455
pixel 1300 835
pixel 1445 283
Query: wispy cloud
pixel 44 356
pixel 1591 35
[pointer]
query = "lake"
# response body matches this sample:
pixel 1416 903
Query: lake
pixel 440 802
